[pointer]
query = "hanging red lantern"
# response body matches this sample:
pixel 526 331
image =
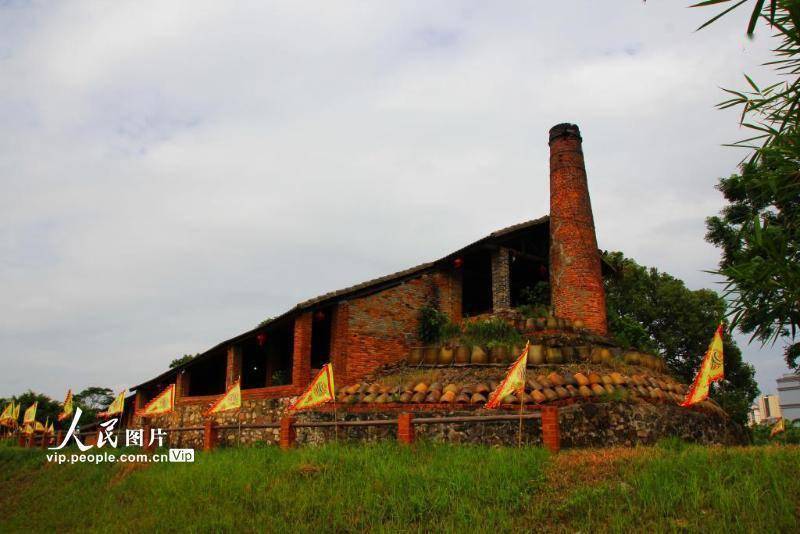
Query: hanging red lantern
pixel 319 315
pixel 261 338
pixel 458 262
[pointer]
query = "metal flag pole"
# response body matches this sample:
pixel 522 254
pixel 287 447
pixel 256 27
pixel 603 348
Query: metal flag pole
pixel 521 408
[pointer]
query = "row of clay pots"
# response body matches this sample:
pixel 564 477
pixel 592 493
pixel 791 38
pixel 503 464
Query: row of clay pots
pixel 646 360
pixel 467 395
pixel 461 354
pixel 549 323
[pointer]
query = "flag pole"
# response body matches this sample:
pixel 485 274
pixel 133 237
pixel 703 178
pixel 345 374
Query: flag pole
pixel 335 420
pixel 521 407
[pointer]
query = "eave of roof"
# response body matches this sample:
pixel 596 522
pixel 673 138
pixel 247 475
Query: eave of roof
pixel 367 287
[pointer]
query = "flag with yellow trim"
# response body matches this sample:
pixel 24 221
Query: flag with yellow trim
pixel 27 429
pixel 16 413
pixel 779 427
pixel 320 391
pixel 232 400
pixel 514 382
pixel 117 406
pixel 161 404
pixel 30 413
pixel 38 427
pixel 66 411
pixel 711 370
pixel 8 414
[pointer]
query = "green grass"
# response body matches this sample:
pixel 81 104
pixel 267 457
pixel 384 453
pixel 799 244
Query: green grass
pixel 388 488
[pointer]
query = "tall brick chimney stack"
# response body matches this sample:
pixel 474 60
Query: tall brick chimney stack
pixel 576 283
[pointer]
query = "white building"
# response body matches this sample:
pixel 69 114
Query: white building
pixel 789 392
pixel 767 409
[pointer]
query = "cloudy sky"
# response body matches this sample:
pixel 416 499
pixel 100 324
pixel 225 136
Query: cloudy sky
pixel 174 172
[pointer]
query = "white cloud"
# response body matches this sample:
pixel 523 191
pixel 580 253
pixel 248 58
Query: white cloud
pixel 175 172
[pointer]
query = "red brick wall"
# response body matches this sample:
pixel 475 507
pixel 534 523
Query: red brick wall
pixel 301 358
pixel 575 273
pixel 380 328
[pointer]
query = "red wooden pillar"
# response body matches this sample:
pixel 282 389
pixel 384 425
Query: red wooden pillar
pixel 405 428
pixel 209 435
pixel 45 440
pixel 22 440
pixel 550 431
pixel 288 434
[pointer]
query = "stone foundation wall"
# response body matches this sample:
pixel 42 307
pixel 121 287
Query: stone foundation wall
pixel 591 424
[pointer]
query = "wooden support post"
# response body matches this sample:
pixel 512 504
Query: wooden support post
pixel 45 440
pixel 288 434
pixel 551 437
pixel 405 428
pixel 21 439
pixel 59 437
pixel 209 435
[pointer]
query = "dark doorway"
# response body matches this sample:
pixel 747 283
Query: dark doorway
pixel 321 324
pixel 529 281
pixel 207 377
pixel 267 356
pixel 476 284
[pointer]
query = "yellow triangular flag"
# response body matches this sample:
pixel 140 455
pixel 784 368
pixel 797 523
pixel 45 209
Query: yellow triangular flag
pixel 38 427
pixel 30 413
pixel 66 411
pixel 513 382
pixel 164 402
pixel 779 427
pixel 232 400
pixel 50 429
pixel 320 391
pixel 27 429
pixel 16 412
pixel 711 370
pixel 117 406
pixel 8 413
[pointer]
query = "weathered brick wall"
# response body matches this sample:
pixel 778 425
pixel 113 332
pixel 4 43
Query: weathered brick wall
pixel 575 274
pixel 382 327
pixel 301 357
pixel 501 279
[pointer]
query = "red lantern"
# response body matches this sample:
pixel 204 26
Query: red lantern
pixel 319 316
pixel 261 338
pixel 458 262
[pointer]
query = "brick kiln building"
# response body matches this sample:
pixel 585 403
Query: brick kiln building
pixel 366 326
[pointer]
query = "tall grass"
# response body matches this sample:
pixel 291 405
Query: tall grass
pixel 388 488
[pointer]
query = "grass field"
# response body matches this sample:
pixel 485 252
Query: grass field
pixel 388 488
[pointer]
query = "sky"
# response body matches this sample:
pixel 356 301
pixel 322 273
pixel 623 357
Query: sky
pixel 173 173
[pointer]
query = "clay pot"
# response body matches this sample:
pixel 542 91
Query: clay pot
pixel 568 353
pixel 631 357
pixel 368 398
pixel 418 397
pixel 509 399
pixel 448 396
pixel 594 378
pixel 597 389
pixel 572 390
pixel 374 388
pixel 462 398
pixel 422 387
pixel 498 354
pixel 569 378
pixel 581 379
pixel 446 355
pixel 479 355
pixel 550 394
pixel 516 352
pixel 544 381
pixel 585 392
pixel 556 379
pixel 536 354
pixel 415 356
pixel 477 398
pixel 606 380
pixel 433 396
pixel 618 379
pixel 605 356
pixel 609 388
pixel 430 356
pixel 462 354
pixel 530 324
pixel 406 397
pixel 552 323
pixel 452 388
pixel 541 323
pixel 562 393
pixel 554 355
pixel 596 357
pixel 538 397
pixel 534 385
pixel 481 389
pixel 578 324
pixel 383 398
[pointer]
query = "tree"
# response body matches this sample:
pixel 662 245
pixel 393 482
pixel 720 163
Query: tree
pixel 47 407
pixel 653 311
pixel 177 362
pixel 759 229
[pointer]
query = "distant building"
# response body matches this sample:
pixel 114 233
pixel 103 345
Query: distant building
pixel 767 409
pixel 789 391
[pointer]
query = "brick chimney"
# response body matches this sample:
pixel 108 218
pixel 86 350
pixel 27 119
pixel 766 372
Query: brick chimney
pixel 576 283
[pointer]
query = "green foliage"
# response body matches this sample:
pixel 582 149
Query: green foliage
pixel 537 296
pixel 656 312
pixel 47 407
pixel 280 378
pixel 265 321
pixel 759 234
pixel 491 332
pixel 533 310
pixel 759 229
pixel 183 359
pixel 761 434
pixel 431 322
